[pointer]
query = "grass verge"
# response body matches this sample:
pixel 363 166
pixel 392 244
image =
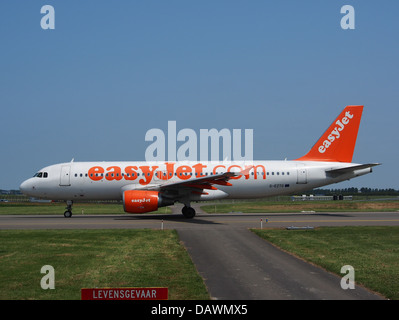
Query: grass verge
pixel 95 258
pixel 373 252
pixel 298 206
pixel 58 208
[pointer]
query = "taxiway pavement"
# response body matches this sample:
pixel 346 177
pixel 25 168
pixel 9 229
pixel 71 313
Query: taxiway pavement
pixel 235 263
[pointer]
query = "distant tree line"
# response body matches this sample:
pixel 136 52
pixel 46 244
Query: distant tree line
pixel 12 192
pixel 356 191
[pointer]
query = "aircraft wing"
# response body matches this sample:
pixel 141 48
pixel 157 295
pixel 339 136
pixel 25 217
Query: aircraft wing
pixel 201 183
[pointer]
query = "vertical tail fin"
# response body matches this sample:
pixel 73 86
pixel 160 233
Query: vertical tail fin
pixel 338 142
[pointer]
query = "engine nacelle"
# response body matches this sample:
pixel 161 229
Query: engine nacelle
pixel 142 201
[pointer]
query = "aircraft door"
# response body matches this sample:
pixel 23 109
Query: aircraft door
pixel 302 175
pixel 65 178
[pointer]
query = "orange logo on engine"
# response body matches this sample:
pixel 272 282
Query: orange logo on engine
pixel 140 201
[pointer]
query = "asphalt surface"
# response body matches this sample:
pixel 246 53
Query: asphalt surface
pixel 235 263
pixel 200 222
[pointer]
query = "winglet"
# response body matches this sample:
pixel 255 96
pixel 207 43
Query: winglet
pixel 337 144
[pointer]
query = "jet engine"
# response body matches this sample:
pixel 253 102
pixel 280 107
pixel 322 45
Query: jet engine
pixel 141 201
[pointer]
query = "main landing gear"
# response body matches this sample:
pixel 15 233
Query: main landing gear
pixel 68 212
pixel 188 212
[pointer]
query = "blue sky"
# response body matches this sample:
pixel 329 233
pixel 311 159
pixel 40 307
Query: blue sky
pixel 112 70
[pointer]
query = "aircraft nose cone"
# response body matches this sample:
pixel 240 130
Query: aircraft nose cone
pixel 26 186
pixel 23 187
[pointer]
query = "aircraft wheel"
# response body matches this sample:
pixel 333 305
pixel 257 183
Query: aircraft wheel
pixel 68 214
pixel 188 212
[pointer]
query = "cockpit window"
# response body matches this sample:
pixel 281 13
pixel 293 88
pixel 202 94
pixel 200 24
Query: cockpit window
pixel 41 175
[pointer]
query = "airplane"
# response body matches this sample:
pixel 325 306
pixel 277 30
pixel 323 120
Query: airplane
pixel 145 186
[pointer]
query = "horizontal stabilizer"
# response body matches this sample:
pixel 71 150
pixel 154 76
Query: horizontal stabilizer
pixel 340 171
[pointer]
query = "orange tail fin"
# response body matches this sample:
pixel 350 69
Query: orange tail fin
pixel 338 142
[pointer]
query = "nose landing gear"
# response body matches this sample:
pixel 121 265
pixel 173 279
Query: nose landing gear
pixel 68 212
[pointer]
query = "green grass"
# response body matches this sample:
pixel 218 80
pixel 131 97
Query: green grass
pixel 57 208
pixel 95 258
pixel 373 252
pixel 298 206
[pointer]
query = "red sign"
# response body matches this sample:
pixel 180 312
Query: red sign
pixel 124 294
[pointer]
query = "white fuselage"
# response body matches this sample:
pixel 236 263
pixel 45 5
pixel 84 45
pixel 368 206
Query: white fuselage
pixel 108 180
